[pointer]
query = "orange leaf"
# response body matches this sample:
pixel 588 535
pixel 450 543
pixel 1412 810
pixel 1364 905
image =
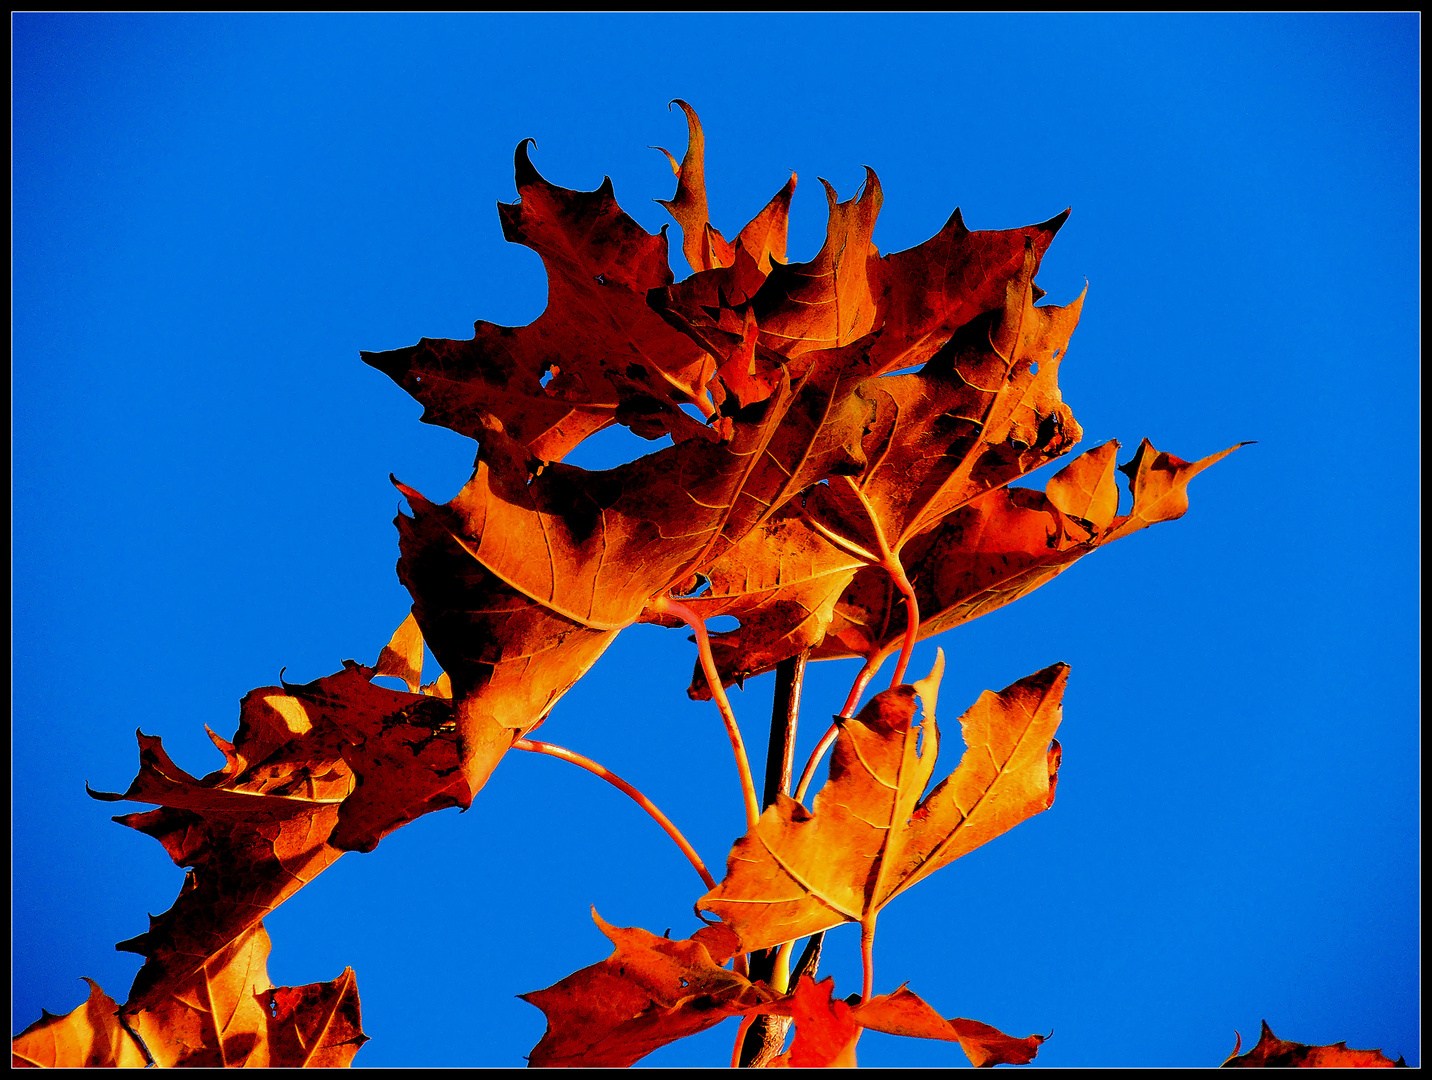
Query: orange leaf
pixel 313 771
pixel 826 1029
pixel 315 1026
pixel 649 992
pixel 89 1036
pixel 228 1014
pixel 1275 1053
pixel 903 1013
pixel 870 836
pixel 1002 546
pixel 402 657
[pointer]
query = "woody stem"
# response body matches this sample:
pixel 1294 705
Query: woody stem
pixel 760 1041
pixel 616 781
pixel 667 606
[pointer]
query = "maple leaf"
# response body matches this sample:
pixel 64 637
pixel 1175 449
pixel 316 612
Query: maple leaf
pixel 904 1013
pixel 609 357
pixel 313 771
pixel 89 1036
pixel 1002 546
pixel 649 992
pixel 984 410
pixel 869 835
pixel 763 240
pixel 1275 1053
pixel 228 1014
pixel 826 1028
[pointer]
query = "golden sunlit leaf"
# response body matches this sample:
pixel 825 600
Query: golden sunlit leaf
pixel 88 1037
pixel 869 835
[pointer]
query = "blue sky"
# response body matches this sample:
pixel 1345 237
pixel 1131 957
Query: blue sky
pixel 214 214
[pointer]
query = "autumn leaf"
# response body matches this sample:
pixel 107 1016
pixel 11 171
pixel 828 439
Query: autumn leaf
pixel 228 1014
pixel 903 1013
pixel 1275 1053
pixel 313 771
pixel 763 239
pixel 90 1036
pixel 605 356
pixel 869 835
pixel 826 1028
pixel 649 992
pixel 983 411
pixel 402 657
pixel 1005 544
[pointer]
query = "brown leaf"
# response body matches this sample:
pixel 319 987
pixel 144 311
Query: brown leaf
pixel 215 1017
pixel 1275 1053
pixel 985 410
pixel 565 557
pixel 1160 485
pixel 649 992
pixel 704 246
pixel 315 1026
pixel 597 339
pixel 869 836
pixel 313 770
pixel 903 1013
pixel 89 1036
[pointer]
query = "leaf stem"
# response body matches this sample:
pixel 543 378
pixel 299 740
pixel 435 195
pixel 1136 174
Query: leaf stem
pixel 890 561
pixel 616 781
pixel 867 957
pixel 872 665
pixel 665 605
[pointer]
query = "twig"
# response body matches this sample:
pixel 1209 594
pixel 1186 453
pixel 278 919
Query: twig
pixel 665 605
pixel 616 781
pixel 872 665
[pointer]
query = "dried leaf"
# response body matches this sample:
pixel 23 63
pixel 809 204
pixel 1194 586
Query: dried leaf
pixel 402 657
pixel 1275 1053
pixel 649 992
pixel 89 1036
pixel 315 1026
pixel 827 1029
pixel 313 771
pixel 228 1014
pixel 597 339
pixel 903 1013
pixel 870 836
pixel 1004 545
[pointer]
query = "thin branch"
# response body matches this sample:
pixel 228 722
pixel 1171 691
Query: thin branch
pixel 872 665
pixel 785 712
pixel 665 605
pixel 759 1042
pixel 616 781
